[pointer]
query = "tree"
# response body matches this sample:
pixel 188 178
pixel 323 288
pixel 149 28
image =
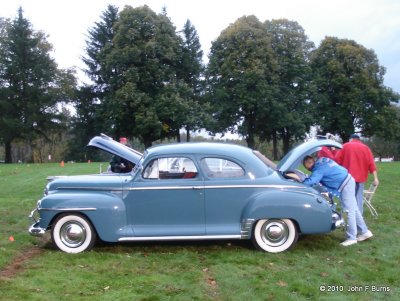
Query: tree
pixel 144 89
pixel 291 50
pixel 241 78
pixel 190 70
pixel 350 94
pixel 99 43
pixel 85 124
pixel 31 86
pixel 92 107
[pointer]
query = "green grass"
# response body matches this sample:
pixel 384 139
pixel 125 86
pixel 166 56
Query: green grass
pixel 214 270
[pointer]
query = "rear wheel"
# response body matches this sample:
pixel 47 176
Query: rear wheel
pixel 275 235
pixel 73 233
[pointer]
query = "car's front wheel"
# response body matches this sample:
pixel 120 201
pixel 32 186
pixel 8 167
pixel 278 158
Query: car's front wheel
pixel 73 233
pixel 275 235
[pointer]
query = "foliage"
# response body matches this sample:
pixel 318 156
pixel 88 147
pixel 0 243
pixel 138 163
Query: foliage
pixel 98 44
pixel 31 85
pixel 213 270
pixel 92 112
pixel 386 142
pixel 190 70
pixel 291 49
pixel 241 79
pixel 349 88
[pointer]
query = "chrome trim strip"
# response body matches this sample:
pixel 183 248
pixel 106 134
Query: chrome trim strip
pixel 215 187
pixel 182 187
pixel 246 226
pixel 165 188
pixel 90 188
pixel 166 238
pixel 70 209
pixel 256 186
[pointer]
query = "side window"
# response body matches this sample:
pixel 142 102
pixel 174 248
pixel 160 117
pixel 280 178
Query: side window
pixel 170 168
pixel 221 168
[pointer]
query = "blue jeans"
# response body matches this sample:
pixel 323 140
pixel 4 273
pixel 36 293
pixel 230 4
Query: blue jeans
pixel 360 196
pixel 354 218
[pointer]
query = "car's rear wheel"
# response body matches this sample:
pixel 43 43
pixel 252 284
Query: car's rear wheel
pixel 73 233
pixel 275 235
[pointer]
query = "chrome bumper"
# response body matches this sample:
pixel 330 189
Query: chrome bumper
pixel 337 221
pixel 34 229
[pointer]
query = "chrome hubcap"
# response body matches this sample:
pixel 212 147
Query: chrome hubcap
pixel 274 232
pixel 73 234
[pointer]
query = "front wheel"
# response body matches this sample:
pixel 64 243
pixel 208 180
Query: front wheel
pixel 73 233
pixel 275 235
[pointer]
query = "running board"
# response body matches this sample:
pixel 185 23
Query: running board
pixel 163 238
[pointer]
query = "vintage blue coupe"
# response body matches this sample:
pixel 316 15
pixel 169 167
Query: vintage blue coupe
pixel 186 191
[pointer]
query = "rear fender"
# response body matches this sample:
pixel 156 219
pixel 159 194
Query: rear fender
pixel 310 211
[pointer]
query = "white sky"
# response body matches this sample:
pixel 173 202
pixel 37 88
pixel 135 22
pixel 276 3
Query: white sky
pixel 374 24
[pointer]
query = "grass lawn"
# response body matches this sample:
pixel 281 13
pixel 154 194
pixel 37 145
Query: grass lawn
pixel 318 268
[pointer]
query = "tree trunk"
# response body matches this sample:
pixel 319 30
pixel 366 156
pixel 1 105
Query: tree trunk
pixel 147 143
pixel 8 158
pixel 187 134
pixel 286 142
pixel 275 145
pixel 250 140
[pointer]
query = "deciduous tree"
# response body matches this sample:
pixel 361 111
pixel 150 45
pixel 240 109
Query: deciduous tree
pixel 242 79
pixel 291 49
pixel 350 94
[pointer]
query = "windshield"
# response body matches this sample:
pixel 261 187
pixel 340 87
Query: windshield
pixel 284 159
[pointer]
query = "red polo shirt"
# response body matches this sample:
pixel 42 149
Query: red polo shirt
pixel 357 158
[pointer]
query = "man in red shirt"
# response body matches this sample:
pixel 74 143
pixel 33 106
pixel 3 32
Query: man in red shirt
pixel 357 158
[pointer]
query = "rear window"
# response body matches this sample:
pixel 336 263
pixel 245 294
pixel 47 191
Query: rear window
pixel 221 168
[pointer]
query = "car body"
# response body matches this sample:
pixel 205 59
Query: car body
pixel 186 191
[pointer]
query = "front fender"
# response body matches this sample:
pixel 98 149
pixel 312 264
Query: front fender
pixel 310 211
pixel 105 210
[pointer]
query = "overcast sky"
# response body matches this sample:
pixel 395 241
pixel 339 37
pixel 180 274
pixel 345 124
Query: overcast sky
pixel 374 24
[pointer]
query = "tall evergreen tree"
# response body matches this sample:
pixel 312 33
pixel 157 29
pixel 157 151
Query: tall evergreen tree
pixel 190 70
pixel 92 107
pixel 30 84
pixel 99 43
pixel 242 79
pixel 292 50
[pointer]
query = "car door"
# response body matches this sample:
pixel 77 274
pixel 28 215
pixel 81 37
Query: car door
pixel 167 199
pixel 227 192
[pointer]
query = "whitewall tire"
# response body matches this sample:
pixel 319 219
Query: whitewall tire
pixel 73 233
pixel 275 235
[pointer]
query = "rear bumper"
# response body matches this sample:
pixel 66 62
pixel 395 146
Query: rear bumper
pixel 337 221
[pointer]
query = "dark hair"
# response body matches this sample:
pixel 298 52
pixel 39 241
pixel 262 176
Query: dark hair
pixel 306 158
pixel 354 136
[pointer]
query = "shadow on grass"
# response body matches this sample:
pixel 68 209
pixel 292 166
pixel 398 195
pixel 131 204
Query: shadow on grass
pixel 173 246
pixel 322 242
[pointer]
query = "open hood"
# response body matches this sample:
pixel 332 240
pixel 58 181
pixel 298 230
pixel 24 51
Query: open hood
pixel 111 146
pixel 295 157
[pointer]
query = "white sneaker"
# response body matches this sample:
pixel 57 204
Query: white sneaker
pixel 349 242
pixel 365 236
